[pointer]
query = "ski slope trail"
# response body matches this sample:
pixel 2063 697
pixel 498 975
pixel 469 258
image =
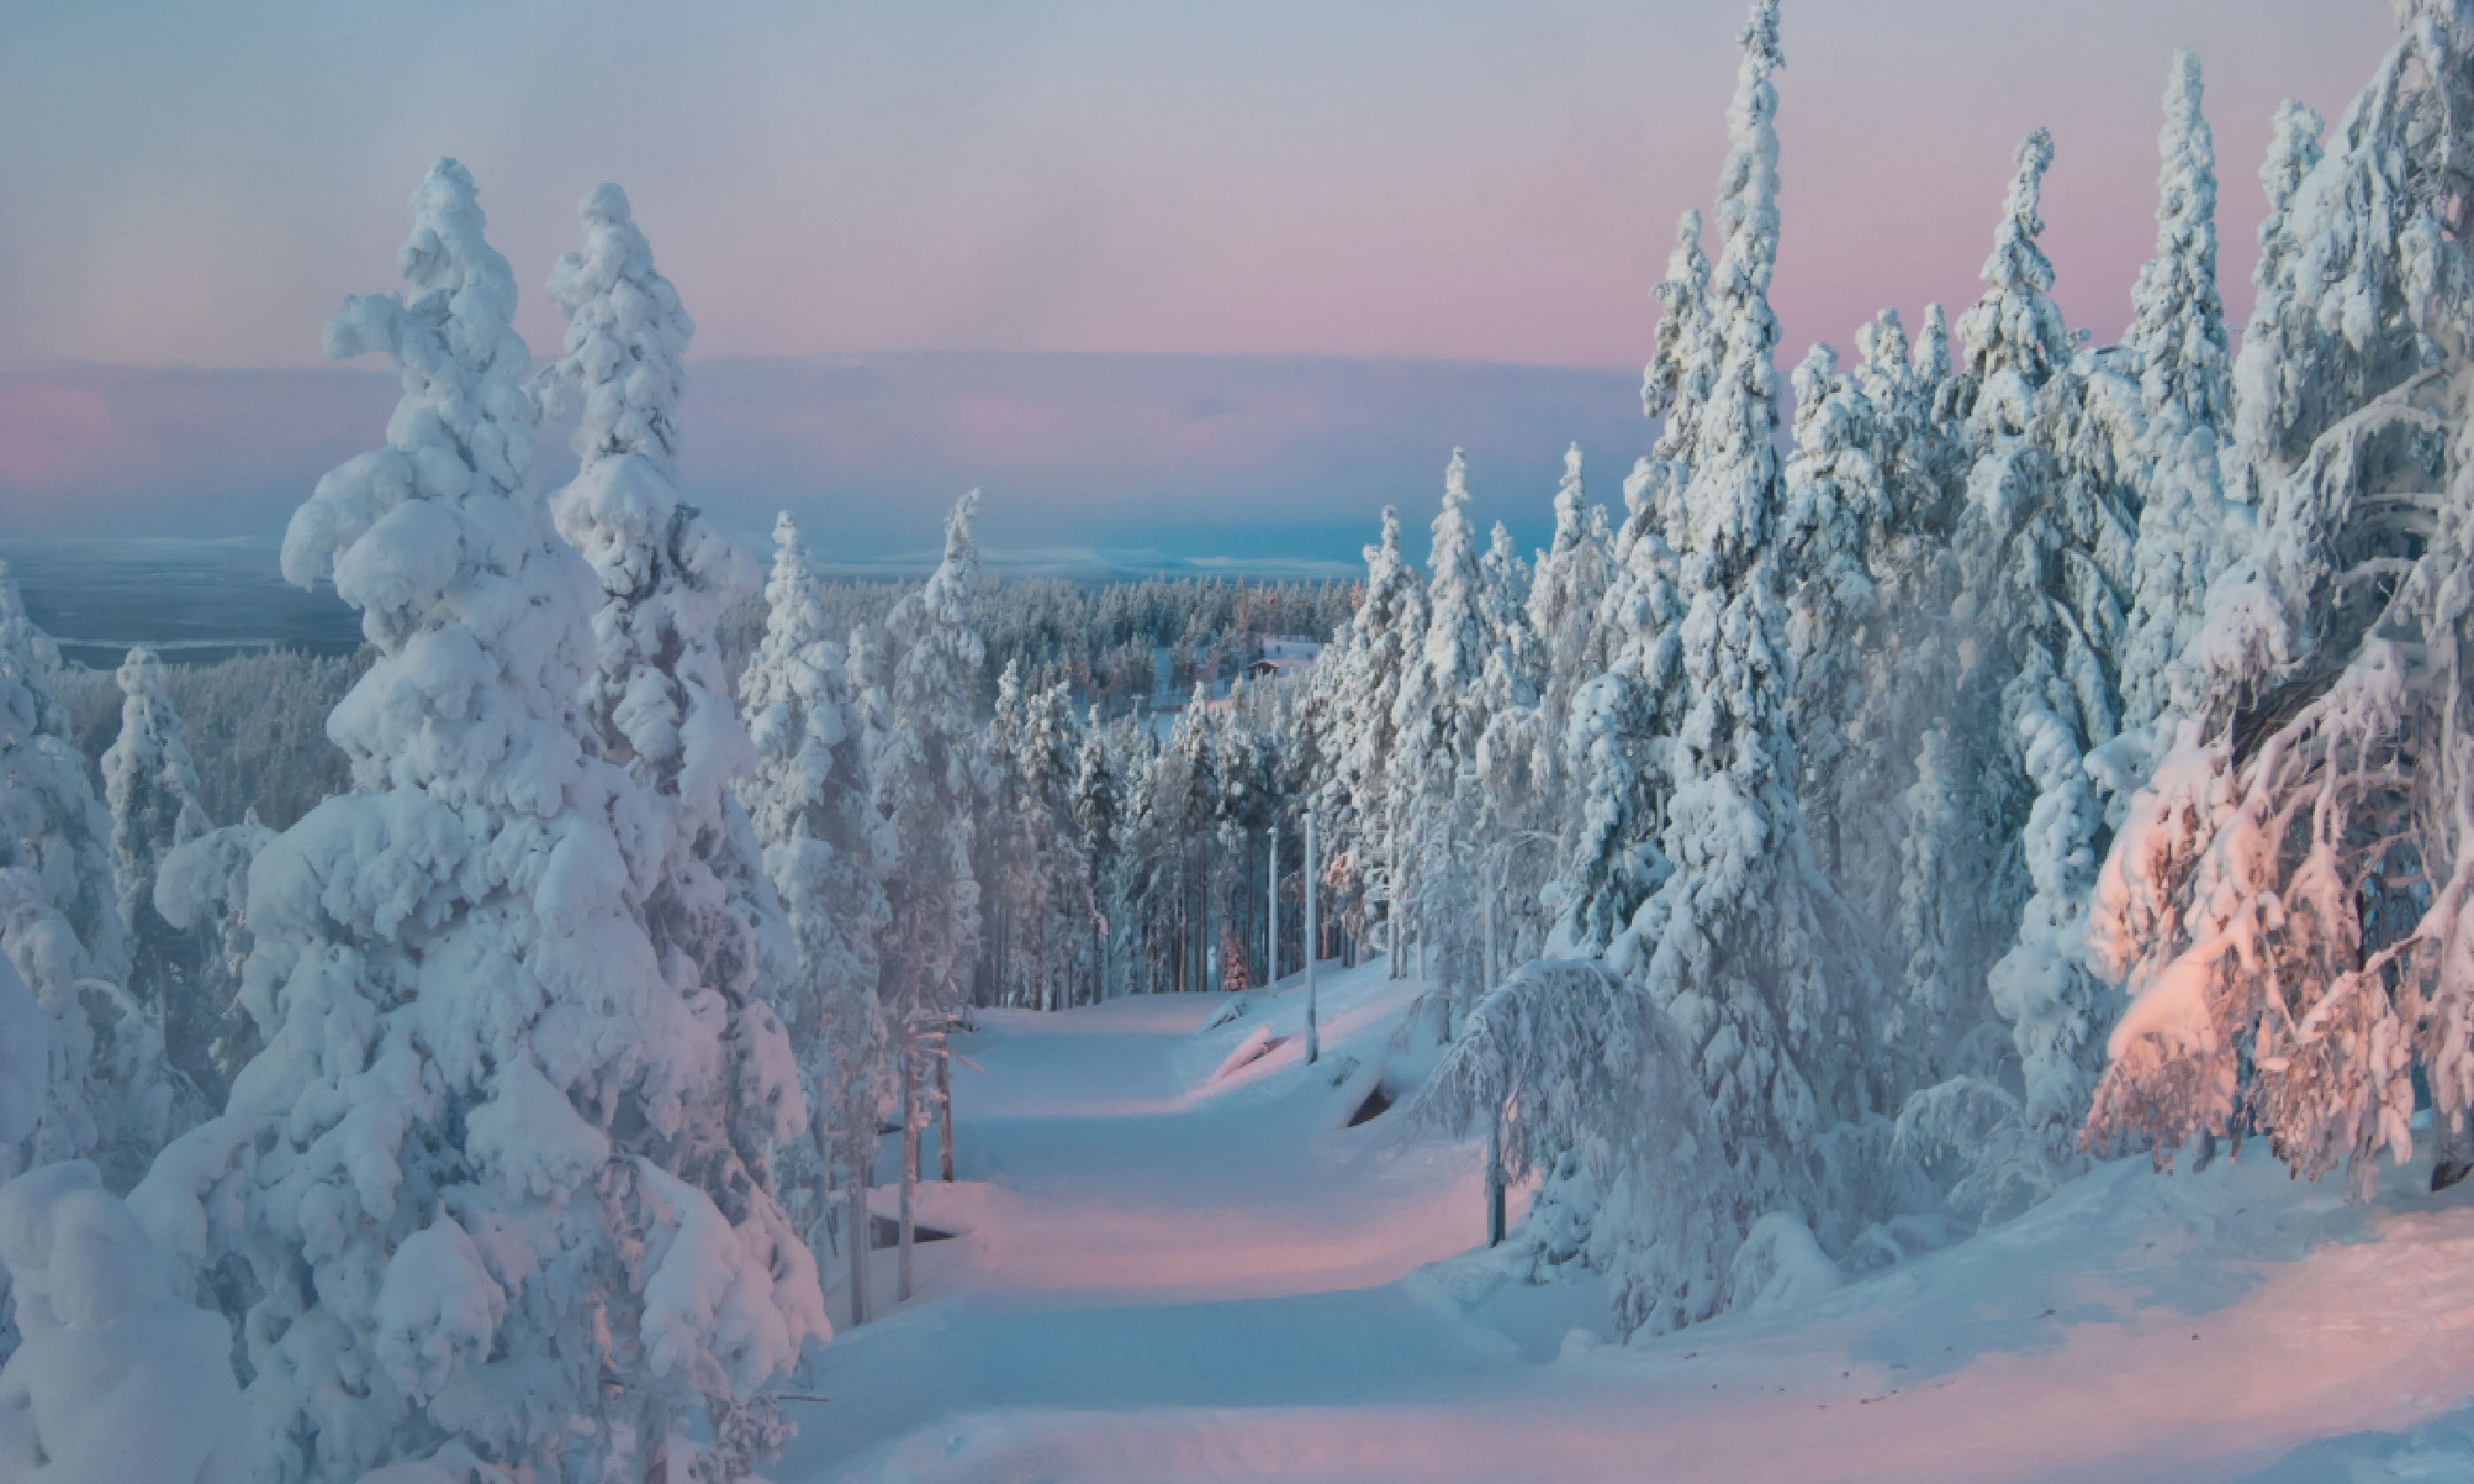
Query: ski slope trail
pixel 1175 1262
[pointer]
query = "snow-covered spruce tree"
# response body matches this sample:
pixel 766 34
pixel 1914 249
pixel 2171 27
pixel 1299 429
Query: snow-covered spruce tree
pixel 1049 764
pixel 924 773
pixel 150 787
pixel 1437 720
pixel 2046 542
pixel 1622 718
pixel 1834 500
pixel 1040 886
pixel 1571 580
pixel 1743 946
pixel 657 702
pixel 1905 663
pixel 2188 531
pixel 2286 898
pixel 450 1172
pixel 118 1379
pixel 1515 774
pixel 1598 1093
pixel 59 918
pixel 1385 637
pixel 55 829
pixel 2015 331
pixel 202 888
pixel 809 800
pixel 1099 814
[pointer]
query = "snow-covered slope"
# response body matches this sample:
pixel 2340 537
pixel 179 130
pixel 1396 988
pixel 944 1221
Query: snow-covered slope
pixel 1170 1268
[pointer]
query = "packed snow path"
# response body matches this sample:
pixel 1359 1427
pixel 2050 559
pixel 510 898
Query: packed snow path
pixel 1167 1270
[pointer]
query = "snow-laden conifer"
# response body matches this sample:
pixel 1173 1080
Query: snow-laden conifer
pixel 657 702
pixel 2188 533
pixel 2013 335
pixel 1743 948
pixel 924 773
pixel 60 916
pixel 1439 719
pixel 1834 501
pixel 1385 640
pixel 2285 896
pixel 807 798
pixel 448 1175
pixel 150 786
pixel 202 888
pixel 117 1378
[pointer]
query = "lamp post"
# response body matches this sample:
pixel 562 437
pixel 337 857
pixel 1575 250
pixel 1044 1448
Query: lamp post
pixel 1313 1042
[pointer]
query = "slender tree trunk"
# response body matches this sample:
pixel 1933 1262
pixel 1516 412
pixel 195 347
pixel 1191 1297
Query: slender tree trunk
pixel 862 1224
pixel 657 1451
pixel 910 1160
pixel 945 1105
pixel 1495 1202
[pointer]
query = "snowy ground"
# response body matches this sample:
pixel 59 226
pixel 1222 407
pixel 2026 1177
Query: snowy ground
pixel 1168 1272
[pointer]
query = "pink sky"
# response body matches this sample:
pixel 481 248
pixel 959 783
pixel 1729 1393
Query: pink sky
pixel 1391 178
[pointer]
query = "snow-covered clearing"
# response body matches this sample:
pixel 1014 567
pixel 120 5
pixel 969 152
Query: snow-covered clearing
pixel 1168 1273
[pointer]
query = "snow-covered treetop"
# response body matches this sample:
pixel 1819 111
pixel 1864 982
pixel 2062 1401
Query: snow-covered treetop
pixel 465 414
pixel 1735 484
pixel 2177 317
pixel 658 697
pixel 19 637
pixel 150 781
pixel 1932 362
pixel 2363 271
pixel 626 334
pixel 2015 326
pixel 1677 379
pixel 1456 632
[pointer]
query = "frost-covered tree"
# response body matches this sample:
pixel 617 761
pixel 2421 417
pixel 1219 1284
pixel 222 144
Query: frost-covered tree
pixel 150 786
pixel 1041 882
pixel 1571 580
pixel 2285 898
pixel 1834 500
pixel 1437 720
pixel 1742 949
pixel 202 888
pixel 60 922
pixel 657 703
pixel 925 778
pixel 1385 640
pixel 54 829
pixel 2013 335
pixel 2046 542
pixel 2188 531
pixel 453 1176
pixel 809 800
pixel 116 1378
pixel 1099 812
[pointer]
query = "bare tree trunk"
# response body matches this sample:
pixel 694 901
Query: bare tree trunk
pixel 657 1452
pixel 910 1159
pixel 1494 1203
pixel 945 1107
pixel 862 1224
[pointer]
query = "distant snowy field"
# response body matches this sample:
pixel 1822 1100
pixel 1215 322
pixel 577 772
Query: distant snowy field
pixel 1166 1271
